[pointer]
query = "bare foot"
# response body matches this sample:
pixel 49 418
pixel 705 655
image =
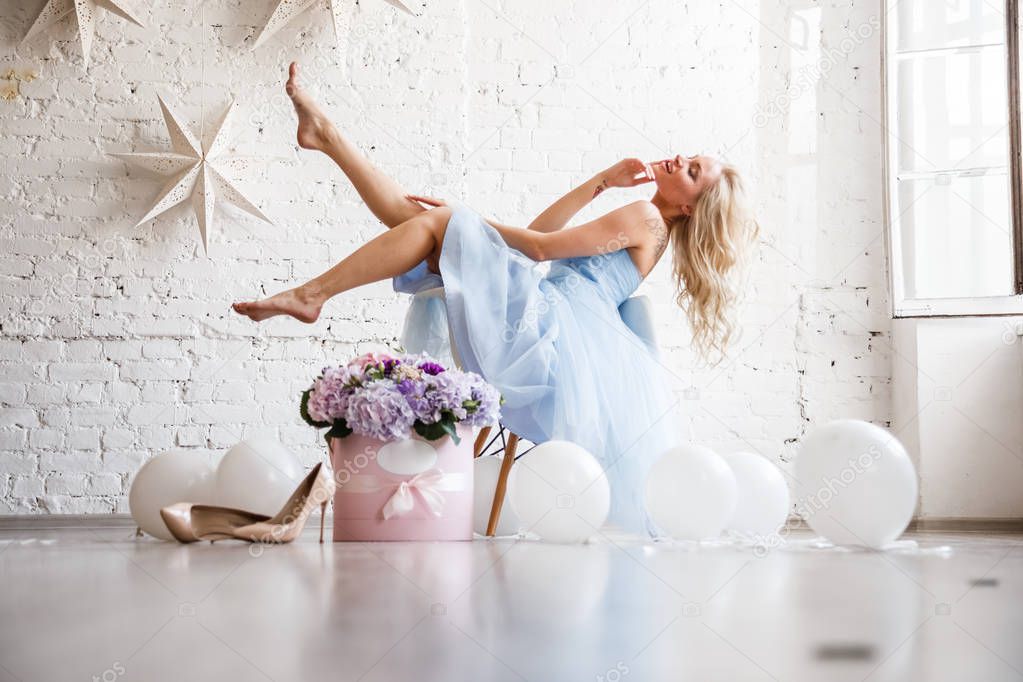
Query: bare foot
pixel 314 128
pixel 298 303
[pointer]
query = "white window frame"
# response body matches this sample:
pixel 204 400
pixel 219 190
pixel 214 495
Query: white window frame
pixel 951 307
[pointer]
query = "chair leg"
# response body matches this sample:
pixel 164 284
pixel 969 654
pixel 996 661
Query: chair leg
pixel 481 438
pixel 502 483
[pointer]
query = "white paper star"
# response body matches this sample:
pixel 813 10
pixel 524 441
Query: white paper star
pixel 197 170
pixel 85 12
pixel 286 10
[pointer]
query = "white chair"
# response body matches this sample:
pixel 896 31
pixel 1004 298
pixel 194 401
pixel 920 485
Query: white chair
pixel 426 330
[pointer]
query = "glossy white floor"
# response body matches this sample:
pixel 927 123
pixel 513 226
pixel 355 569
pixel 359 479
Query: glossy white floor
pixel 99 604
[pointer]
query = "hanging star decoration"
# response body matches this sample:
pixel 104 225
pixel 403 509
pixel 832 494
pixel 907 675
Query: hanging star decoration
pixel 286 10
pixel 198 170
pixel 85 12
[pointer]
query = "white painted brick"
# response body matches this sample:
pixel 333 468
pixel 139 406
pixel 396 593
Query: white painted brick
pixel 15 267
pixel 85 393
pixel 18 462
pixel 93 416
pixel 82 371
pixel 161 349
pixel 46 439
pixel 83 350
pixel 18 416
pixel 122 350
pixel 122 392
pixel 156 438
pixel 234 391
pixel 106 484
pixel 564 161
pixel 156 370
pixel 83 439
pixel 42 350
pixel 13 438
pixel 191 436
pixel 64 504
pixel 198 392
pixel 163 392
pixel 225 414
pixel 10 349
pixel 141 415
pixel 118 438
pixel 124 334
pixel 65 484
pixel 223 437
pixel 27 486
pixel 122 461
pixel 13 394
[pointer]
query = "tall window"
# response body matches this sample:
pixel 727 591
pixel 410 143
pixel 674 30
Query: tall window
pixel 952 157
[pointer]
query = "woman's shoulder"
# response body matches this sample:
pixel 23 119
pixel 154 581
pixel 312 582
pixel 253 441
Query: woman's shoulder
pixel 636 217
pixel 645 223
pixel 643 218
pixel 641 209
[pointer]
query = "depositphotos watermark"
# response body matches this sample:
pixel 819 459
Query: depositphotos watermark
pixel 619 671
pixel 818 500
pixel 805 79
pixel 110 674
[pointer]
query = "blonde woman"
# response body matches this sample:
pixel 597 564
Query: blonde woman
pixel 554 344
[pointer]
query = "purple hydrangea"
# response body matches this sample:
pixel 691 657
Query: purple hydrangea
pixel 488 401
pixel 329 398
pixel 448 390
pixel 385 396
pixel 426 411
pixel 380 411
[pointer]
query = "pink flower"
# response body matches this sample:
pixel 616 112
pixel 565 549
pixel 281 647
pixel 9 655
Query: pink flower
pixel 369 359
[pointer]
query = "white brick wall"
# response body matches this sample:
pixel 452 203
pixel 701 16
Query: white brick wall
pixel 117 342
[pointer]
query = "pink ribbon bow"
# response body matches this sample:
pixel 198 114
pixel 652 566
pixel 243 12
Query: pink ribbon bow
pixel 402 501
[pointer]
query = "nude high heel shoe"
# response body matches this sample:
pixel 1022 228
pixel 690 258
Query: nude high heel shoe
pixel 189 522
pixel 314 491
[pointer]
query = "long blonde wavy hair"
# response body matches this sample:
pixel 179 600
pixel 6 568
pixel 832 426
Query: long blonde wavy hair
pixel 710 248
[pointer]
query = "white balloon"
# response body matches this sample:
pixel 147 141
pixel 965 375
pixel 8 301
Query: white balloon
pixel 690 492
pixel 762 495
pixel 167 478
pixel 258 475
pixel 485 474
pixel 560 492
pixel 856 484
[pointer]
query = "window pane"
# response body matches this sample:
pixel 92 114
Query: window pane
pixel 956 236
pixel 952 111
pixel 928 24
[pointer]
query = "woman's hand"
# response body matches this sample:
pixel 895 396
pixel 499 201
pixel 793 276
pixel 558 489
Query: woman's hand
pixel 429 201
pixel 628 173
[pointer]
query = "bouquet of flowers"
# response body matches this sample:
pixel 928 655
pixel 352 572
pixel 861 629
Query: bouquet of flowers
pixel 383 396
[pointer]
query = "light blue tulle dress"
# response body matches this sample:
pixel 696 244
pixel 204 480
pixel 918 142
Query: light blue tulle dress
pixel 557 348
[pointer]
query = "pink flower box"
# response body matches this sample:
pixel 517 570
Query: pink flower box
pixel 413 489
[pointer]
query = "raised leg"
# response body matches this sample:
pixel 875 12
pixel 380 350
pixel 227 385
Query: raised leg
pixel 384 197
pixel 502 483
pixel 385 256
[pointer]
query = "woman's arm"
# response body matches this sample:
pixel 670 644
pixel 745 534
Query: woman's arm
pixel 622 228
pixel 625 173
pixel 622 174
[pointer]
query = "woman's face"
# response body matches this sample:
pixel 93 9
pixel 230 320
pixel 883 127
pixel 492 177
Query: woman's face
pixel 681 180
